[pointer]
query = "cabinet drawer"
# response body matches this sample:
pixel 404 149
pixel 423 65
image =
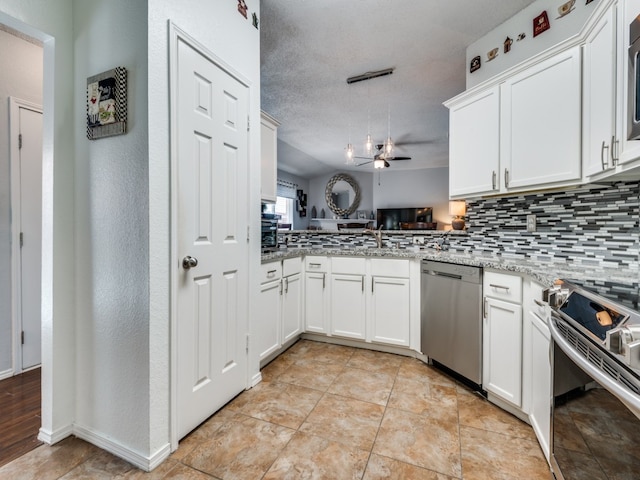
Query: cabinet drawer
pixel 350 265
pixel 503 286
pixel 291 266
pixel 316 264
pixel 270 271
pixel 386 267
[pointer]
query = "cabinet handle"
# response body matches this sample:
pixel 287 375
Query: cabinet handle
pixel 314 265
pixel 280 286
pixel 493 180
pixel 502 287
pixel 506 178
pixel 602 149
pixel 372 284
pixel 271 273
pixel 324 276
pixel 485 308
pixel 614 151
pixel 539 303
pixel 362 283
pixel 286 285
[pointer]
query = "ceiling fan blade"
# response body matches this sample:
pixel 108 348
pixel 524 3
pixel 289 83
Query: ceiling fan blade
pixel 399 158
pixel 363 163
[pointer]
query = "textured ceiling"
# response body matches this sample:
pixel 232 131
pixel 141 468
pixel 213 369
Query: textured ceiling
pixel 310 47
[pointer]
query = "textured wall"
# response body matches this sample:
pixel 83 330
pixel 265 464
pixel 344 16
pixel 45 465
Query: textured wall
pixel 21 77
pixel 112 231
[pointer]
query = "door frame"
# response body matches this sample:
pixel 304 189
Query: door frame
pixel 176 35
pixel 15 104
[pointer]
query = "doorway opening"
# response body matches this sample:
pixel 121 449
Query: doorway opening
pixel 22 184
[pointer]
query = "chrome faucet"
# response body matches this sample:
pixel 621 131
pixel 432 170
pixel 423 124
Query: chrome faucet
pixel 377 234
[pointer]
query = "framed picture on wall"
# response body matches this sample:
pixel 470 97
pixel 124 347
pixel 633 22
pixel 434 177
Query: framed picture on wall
pixel 361 215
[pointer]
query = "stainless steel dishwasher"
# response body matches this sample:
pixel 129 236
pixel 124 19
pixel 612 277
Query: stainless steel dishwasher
pixel 451 317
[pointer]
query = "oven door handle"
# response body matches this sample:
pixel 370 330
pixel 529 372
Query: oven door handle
pixel 627 397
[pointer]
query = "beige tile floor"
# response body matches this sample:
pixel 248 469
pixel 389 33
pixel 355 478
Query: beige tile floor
pixel 325 411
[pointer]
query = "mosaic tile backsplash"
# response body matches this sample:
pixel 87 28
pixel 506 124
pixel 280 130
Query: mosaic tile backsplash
pixel 595 226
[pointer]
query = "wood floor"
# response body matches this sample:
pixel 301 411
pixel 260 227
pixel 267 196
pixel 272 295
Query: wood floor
pixel 19 415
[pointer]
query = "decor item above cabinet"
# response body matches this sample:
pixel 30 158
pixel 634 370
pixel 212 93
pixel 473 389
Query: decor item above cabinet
pixel 268 157
pixel 522 134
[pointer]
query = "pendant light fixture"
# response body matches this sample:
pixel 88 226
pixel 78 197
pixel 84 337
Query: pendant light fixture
pixel 379 160
pixel 368 143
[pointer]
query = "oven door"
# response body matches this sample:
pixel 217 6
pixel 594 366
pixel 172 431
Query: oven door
pixel 595 432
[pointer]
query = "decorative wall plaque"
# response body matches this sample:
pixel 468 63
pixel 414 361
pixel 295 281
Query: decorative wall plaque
pixel 107 104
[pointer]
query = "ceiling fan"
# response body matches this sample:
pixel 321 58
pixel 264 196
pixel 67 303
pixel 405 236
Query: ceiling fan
pixel 380 160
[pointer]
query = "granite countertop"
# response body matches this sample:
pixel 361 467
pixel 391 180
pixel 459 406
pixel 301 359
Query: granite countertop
pixel 543 272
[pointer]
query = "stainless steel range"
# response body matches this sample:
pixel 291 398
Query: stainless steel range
pixel 596 385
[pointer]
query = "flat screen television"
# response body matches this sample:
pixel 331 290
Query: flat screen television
pixel 406 218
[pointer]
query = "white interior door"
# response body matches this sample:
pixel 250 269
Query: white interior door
pixel 27 229
pixel 212 161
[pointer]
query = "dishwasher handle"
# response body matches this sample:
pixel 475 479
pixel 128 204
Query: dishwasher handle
pixel 442 274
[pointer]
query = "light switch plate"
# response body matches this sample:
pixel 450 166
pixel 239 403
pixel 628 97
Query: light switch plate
pixel 531 223
pixel 418 240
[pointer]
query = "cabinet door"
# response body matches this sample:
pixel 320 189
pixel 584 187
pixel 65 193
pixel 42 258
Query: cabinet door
pixel 390 310
pixel 266 332
pixel 502 350
pixel 474 144
pixel 269 157
pixel 540 123
pixel 315 305
pixel 291 306
pixel 599 97
pixel 348 305
pixel 540 415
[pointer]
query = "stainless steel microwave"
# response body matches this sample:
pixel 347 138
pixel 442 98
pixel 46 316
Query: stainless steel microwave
pixel 633 97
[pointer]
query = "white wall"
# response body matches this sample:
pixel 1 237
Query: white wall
pixel 317 187
pixel 414 188
pixel 561 29
pixel 20 76
pixel 112 232
pixel 220 28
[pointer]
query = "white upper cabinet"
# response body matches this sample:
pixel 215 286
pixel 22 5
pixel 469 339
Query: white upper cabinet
pixel 474 144
pixel 522 134
pixel 540 123
pixel 269 157
pixel 600 143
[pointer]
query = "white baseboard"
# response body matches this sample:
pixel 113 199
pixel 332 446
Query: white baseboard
pixel 50 437
pixel 144 463
pixel 256 379
pixel 6 374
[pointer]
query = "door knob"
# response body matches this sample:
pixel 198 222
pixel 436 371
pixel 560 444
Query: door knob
pixel 189 262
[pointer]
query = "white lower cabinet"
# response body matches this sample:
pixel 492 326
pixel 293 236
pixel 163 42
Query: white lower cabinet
pixel 537 369
pixel 280 310
pixel 540 413
pixel 348 305
pixel 502 337
pixel 316 294
pixel 390 305
pixel 291 306
pixel 266 329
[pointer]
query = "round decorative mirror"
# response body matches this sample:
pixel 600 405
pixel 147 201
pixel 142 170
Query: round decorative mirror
pixel 342 194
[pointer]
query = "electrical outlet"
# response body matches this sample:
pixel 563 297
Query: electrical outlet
pixel 531 223
pixel 418 240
